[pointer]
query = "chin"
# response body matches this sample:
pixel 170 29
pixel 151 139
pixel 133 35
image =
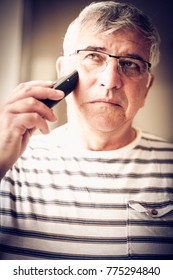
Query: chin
pixel 106 127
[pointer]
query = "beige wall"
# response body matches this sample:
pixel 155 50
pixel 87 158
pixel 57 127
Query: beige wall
pixel 10 44
pixel 32 54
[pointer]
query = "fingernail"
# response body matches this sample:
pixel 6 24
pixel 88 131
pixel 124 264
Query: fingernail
pixel 60 93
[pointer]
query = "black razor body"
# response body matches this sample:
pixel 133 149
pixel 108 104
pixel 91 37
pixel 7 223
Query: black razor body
pixel 66 84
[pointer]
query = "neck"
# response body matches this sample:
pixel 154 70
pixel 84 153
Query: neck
pixel 95 140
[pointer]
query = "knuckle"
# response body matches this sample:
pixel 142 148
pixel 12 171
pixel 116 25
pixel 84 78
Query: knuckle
pixel 32 118
pixel 36 117
pixel 22 86
pixel 25 88
pixel 31 101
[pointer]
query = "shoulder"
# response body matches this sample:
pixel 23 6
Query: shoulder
pixel 154 140
pixel 149 142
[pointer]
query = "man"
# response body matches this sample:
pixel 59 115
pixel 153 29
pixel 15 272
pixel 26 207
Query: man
pixel 95 188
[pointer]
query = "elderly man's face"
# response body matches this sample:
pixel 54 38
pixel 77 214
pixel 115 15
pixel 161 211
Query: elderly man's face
pixel 108 100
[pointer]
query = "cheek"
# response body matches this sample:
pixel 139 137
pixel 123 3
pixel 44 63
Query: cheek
pixel 136 98
pixel 139 99
pixel 84 90
pixel 142 94
pixel 77 97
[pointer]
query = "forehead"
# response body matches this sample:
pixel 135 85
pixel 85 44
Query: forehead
pixel 121 42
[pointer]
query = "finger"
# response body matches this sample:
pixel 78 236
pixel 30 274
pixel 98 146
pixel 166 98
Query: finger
pixel 32 105
pixel 36 83
pixel 30 121
pixel 38 92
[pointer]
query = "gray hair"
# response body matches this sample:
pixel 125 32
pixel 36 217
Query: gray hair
pixel 111 16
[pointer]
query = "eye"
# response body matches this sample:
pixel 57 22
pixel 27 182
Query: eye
pixel 131 67
pixel 129 64
pixel 94 57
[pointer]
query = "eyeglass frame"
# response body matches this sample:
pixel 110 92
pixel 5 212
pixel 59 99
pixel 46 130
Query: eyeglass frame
pixel 149 65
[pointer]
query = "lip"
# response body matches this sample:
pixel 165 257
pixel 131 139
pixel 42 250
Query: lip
pixel 107 101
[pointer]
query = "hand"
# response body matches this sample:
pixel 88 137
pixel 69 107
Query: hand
pixel 21 115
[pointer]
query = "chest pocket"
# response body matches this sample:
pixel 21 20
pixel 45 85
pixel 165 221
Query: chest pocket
pixel 150 229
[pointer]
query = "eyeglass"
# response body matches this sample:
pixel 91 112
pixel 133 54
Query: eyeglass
pixel 98 60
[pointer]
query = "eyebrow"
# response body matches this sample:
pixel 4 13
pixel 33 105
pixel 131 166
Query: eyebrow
pixel 134 56
pixel 129 55
pixel 95 48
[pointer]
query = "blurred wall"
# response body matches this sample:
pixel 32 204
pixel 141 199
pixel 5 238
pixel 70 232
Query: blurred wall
pixel 11 17
pixel 31 40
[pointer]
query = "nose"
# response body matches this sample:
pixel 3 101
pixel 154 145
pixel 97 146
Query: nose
pixel 110 77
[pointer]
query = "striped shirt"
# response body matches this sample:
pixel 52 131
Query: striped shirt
pixel 64 203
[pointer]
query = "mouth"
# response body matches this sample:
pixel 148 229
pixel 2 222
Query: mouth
pixel 106 102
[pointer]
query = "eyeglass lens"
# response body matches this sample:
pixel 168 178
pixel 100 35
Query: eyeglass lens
pixel 98 61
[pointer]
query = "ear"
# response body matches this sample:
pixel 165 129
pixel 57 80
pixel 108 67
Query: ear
pixel 148 86
pixel 150 81
pixel 60 66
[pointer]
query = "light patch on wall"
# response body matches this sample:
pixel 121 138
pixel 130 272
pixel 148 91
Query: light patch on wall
pixel 43 68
